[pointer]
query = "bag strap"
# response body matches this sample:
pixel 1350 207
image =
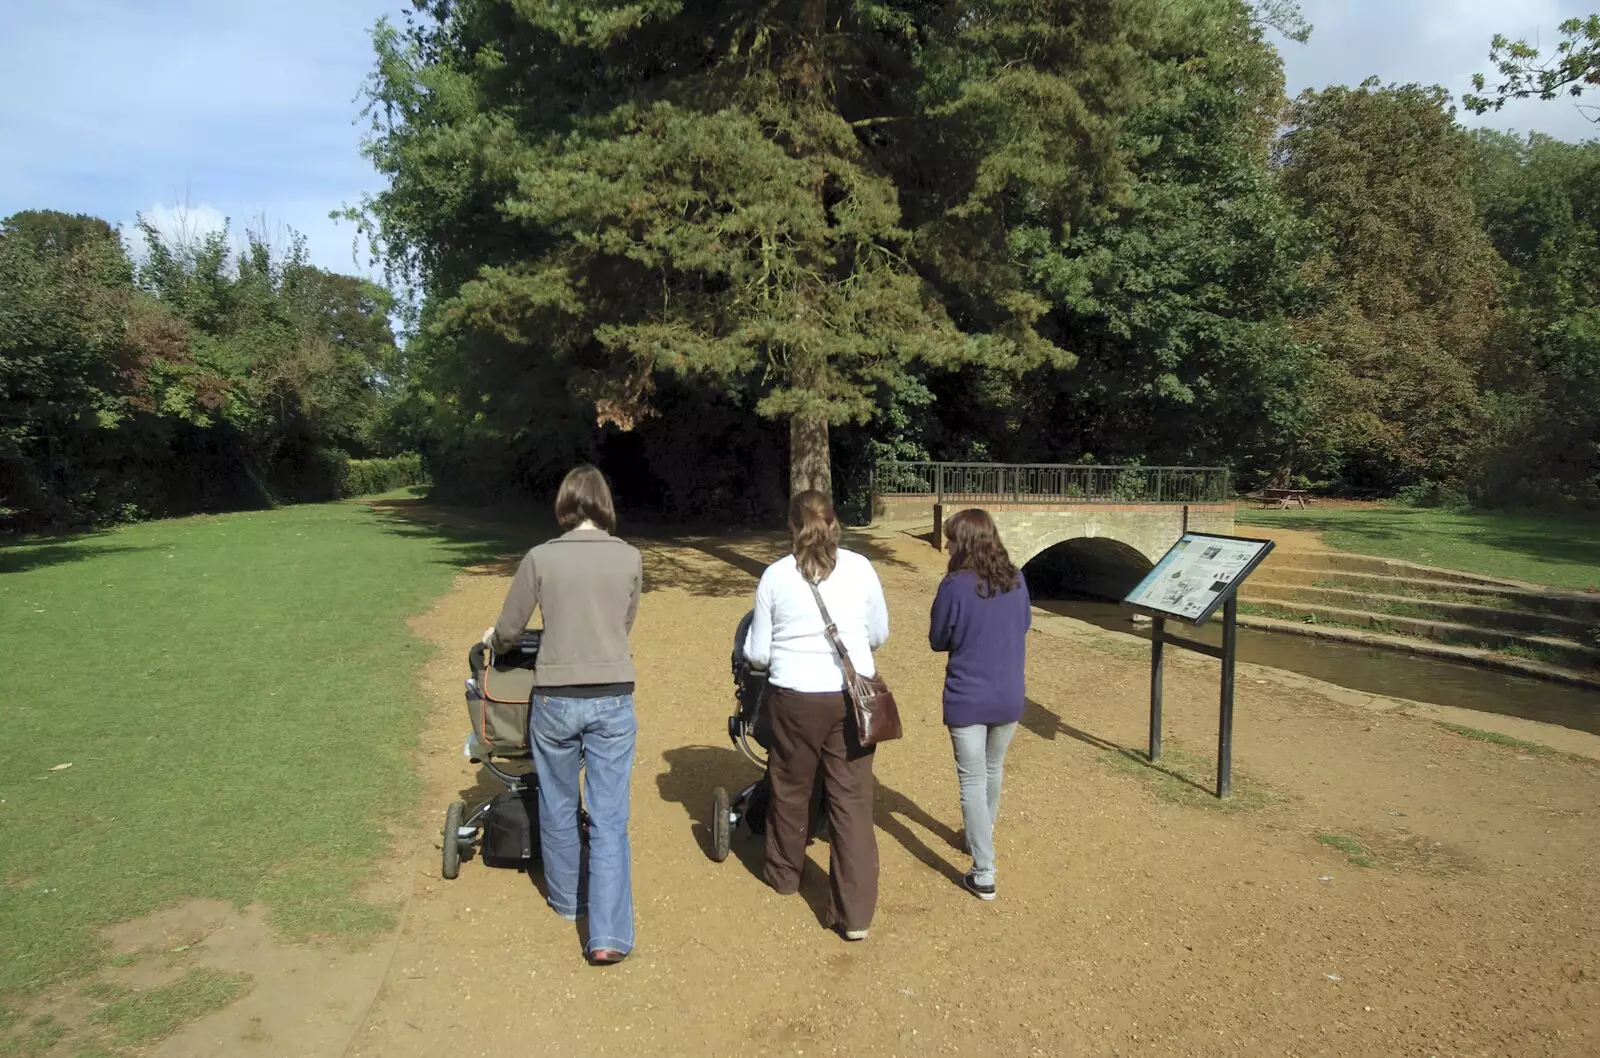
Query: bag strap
pixel 832 632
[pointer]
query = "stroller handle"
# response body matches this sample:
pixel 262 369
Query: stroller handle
pixel 525 651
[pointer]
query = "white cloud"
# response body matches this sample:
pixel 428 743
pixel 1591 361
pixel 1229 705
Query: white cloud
pixel 1478 21
pixel 178 225
pixel 1429 42
pixel 107 106
pixel 331 244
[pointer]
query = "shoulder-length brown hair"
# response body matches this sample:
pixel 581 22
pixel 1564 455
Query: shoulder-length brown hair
pixel 584 496
pixel 814 529
pixel 974 544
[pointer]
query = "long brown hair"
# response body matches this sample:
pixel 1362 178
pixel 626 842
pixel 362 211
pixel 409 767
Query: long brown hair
pixel 974 544
pixel 814 528
pixel 584 496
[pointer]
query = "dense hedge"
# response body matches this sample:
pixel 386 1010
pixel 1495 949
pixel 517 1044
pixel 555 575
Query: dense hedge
pixel 365 477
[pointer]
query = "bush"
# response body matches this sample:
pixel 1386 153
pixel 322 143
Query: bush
pixel 1434 494
pixel 320 474
pixel 368 476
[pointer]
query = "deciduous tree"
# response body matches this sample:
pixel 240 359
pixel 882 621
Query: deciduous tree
pixel 1413 285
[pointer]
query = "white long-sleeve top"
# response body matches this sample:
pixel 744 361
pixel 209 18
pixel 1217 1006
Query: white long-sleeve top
pixel 787 635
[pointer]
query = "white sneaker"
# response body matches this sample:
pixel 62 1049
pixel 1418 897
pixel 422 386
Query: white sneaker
pixel 855 934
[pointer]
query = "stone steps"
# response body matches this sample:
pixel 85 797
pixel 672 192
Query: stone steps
pixel 1398 605
pixel 1583 606
pixel 1555 649
pixel 1502 617
pixel 1406 644
pixel 1344 562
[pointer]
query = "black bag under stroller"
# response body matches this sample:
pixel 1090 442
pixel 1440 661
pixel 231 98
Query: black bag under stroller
pixel 504 830
pixel 750 730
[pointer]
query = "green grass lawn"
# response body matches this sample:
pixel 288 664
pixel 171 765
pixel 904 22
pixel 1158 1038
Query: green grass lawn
pixel 235 696
pixel 1542 549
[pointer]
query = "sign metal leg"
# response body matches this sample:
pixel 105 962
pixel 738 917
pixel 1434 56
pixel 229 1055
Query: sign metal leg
pixel 1157 627
pixel 1230 643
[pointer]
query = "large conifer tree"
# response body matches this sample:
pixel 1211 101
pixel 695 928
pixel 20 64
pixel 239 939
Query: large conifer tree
pixel 793 199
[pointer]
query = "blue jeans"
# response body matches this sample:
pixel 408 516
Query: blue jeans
pixel 980 768
pixel 597 733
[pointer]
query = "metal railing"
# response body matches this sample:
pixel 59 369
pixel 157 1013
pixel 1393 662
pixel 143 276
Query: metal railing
pixel 1051 483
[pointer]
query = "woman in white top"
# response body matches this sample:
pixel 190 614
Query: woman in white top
pixel 811 723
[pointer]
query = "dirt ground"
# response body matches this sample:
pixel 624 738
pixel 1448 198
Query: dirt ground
pixel 1135 917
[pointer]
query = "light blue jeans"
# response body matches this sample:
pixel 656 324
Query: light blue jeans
pixel 598 734
pixel 980 765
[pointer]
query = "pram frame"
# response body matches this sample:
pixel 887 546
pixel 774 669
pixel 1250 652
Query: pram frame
pixel 728 812
pixel 467 827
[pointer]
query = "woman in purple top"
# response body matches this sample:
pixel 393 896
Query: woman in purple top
pixel 981 618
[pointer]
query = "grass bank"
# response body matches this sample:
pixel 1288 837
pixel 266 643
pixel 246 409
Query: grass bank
pixel 234 696
pixel 1541 549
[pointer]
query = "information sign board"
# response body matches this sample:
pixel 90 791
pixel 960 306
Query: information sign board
pixel 1200 573
pixel 1196 575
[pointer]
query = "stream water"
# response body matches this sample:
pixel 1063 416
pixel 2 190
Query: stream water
pixel 1384 672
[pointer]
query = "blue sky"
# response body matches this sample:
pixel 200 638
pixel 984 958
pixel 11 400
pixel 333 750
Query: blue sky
pixel 237 108
pixel 1434 42
pixel 194 110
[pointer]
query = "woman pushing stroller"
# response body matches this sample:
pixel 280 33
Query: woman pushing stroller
pixel 586 583
pixel 809 710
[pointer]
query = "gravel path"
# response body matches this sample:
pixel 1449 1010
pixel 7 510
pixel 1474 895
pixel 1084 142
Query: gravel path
pixel 1136 917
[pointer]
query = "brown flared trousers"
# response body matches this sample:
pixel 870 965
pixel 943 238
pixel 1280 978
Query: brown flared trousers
pixel 811 733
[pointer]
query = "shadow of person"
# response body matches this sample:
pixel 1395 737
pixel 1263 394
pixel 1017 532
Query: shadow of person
pixel 1047 725
pixel 693 772
pixel 891 813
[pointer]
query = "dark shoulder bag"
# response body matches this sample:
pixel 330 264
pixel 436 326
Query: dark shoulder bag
pixel 877 717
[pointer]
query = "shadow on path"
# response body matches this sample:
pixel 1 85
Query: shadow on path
pixel 693 771
pixel 1047 725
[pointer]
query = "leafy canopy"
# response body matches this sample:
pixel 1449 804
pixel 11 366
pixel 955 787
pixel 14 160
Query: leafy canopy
pixel 1411 281
pixel 787 202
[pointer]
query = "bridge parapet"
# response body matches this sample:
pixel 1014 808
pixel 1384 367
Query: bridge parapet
pixel 976 484
pixel 1037 507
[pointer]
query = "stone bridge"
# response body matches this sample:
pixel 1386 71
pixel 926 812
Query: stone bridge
pixel 1108 524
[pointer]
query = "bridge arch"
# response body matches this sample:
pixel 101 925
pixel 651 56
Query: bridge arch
pixel 1066 566
pixel 1031 530
pixel 1101 516
pixel 1089 542
pixel 1098 549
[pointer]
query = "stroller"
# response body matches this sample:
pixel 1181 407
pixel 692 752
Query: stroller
pixel 505 828
pixel 749 724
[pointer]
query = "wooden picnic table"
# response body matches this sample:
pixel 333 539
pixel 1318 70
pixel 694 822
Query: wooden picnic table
pixel 1281 498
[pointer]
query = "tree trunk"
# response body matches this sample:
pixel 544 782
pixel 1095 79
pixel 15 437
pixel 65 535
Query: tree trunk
pixel 810 462
pixel 813 17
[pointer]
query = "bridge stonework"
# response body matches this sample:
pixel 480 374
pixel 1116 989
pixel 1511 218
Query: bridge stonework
pixel 1029 530
pixel 1117 519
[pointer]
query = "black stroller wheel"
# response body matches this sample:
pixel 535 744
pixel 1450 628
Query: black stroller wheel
pixel 720 825
pixel 450 847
